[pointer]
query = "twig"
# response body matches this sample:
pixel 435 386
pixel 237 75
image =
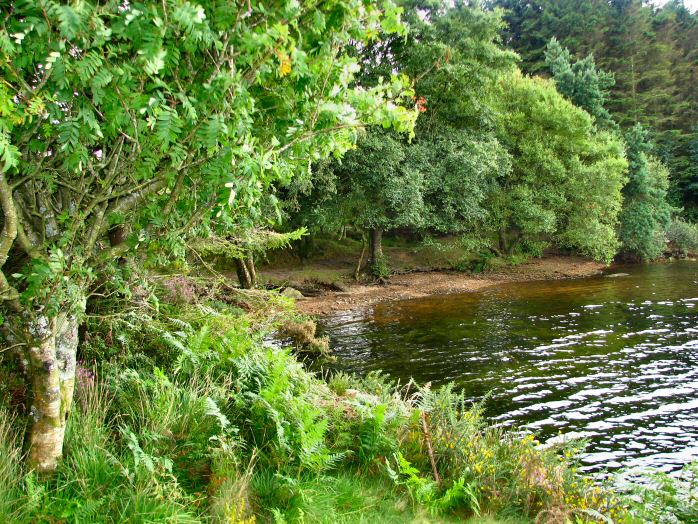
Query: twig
pixel 12 347
pixel 427 437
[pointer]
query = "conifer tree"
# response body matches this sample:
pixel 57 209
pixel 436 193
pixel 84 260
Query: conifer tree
pixel 646 212
pixel 586 86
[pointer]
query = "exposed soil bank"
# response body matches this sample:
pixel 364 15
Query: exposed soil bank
pixel 421 284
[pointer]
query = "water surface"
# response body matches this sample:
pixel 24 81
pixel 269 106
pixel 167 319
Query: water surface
pixel 611 359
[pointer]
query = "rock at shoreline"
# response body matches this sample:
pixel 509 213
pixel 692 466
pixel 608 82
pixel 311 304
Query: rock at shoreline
pixel 292 293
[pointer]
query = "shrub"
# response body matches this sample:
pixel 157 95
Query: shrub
pixel 303 334
pixel 662 498
pixel 380 269
pixel 683 236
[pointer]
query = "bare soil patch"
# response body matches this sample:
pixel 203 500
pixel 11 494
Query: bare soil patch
pixel 327 300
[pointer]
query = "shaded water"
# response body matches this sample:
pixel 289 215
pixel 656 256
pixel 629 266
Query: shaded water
pixel 611 359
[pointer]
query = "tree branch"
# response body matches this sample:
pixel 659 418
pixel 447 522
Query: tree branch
pixel 7 238
pixel 175 194
pixel 95 228
pixel 26 235
pixel 123 205
pixel 196 216
pixel 9 228
pixel 312 134
pixel 133 199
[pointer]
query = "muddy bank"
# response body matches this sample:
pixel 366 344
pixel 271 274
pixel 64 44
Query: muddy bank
pixel 421 284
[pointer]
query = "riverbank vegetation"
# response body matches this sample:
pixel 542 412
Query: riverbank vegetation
pixel 189 417
pixel 183 414
pixel 142 145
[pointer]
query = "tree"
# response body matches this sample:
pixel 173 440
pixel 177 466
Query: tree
pixel 629 38
pixel 461 170
pixel 453 55
pixel 377 189
pixel 646 212
pixel 456 58
pixel 651 51
pixel 679 153
pixel 586 86
pixel 566 179
pixel 530 24
pixel 154 119
pixel 590 220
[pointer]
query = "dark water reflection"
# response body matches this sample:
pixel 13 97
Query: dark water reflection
pixel 611 359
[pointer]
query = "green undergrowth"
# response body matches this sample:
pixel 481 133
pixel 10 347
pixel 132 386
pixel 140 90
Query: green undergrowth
pixel 193 418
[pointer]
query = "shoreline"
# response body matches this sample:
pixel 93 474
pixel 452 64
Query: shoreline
pixel 417 284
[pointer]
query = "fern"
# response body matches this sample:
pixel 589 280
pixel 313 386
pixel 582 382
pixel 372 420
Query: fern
pixel 424 491
pixel 181 324
pixel 152 464
pixel 212 410
pixel 173 342
pixel 373 440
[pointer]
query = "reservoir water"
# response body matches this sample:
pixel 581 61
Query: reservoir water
pixel 612 358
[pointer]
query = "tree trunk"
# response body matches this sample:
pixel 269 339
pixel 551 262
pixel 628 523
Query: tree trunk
pixel 357 271
pixel 509 239
pixel 305 247
pixel 244 277
pixel 375 250
pixel 52 345
pixel 503 244
pixel 251 271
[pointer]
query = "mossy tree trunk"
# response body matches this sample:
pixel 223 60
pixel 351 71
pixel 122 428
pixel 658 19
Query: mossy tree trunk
pixel 251 270
pixel 503 243
pixel 51 351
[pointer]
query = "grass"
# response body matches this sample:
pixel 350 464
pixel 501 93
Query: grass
pixel 11 498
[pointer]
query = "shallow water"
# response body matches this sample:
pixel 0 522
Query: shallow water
pixel 611 359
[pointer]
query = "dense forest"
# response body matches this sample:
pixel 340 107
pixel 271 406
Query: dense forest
pixel 543 161
pixel 149 151
pixel 649 51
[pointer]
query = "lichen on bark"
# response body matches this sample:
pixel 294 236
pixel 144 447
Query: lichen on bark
pixel 52 351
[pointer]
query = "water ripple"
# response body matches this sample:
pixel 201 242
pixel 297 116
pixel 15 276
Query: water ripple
pixel 613 360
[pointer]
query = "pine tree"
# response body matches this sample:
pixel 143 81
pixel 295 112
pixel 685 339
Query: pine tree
pixel 577 24
pixel 646 212
pixel 586 86
pixel 652 53
pixel 644 90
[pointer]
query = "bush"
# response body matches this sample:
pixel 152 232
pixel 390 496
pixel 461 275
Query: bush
pixel 303 334
pixel 683 236
pixel 380 269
